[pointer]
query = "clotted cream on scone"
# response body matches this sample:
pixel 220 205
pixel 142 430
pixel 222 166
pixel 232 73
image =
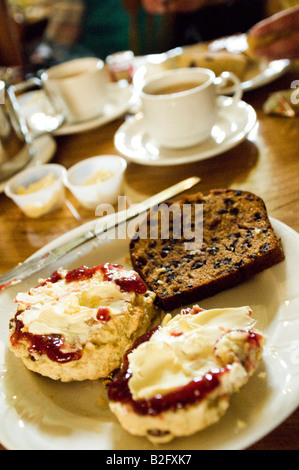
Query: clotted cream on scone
pixel 179 378
pixel 78 324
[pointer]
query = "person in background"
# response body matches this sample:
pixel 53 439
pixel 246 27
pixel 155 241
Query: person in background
pixel 195 21
pixel 284 46
pixel 78 28
pixel 202 20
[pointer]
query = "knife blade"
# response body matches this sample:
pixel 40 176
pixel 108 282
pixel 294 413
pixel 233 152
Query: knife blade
pixel 38 262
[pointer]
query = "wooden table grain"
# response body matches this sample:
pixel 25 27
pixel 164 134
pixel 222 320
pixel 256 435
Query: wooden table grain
pixel 266 163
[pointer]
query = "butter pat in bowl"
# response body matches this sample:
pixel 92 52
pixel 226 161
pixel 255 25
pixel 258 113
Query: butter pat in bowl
pixel 39 190
pixel 96 180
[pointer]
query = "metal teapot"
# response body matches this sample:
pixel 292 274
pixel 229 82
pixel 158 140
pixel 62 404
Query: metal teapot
pixel 16 140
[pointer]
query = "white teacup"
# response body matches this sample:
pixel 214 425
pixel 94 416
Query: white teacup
pixel 180 106
pixel 77 88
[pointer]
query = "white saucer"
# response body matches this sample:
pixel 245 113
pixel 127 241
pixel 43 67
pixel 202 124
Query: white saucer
pixel 232 127
pixel 120 98
pixel 44 150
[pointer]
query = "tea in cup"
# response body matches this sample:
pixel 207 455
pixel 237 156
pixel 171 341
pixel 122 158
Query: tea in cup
pixel 180 106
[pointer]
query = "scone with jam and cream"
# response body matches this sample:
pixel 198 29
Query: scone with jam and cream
pixel 77 325
pixel 179 377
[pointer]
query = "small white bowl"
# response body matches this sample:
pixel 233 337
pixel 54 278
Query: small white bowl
pixel 101 192
pixel 41 201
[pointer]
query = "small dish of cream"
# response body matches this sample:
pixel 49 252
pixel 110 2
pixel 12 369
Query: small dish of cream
pixel 38 191
pixel 96 180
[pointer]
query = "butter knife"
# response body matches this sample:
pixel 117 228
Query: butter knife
pixel 41 261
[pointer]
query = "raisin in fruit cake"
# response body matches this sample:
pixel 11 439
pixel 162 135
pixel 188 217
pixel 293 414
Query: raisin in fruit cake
pixel 178 379
pixel 78 324
pixel 238 242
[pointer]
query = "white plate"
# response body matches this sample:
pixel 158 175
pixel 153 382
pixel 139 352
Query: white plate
pixel 271 71
pixel 120 98
pixel 39 414
pixel 257 75
pixel 232 127
pixel 44 149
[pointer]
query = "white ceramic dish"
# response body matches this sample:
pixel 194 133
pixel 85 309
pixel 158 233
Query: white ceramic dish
pixel 34 106
pixel 43 200
pixel 232 127
pixel 44 149
pixel 92 194
pixel 39 414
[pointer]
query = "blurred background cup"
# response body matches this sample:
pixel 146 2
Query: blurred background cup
pixel 180 106
pixel 77 88
pixel 96 180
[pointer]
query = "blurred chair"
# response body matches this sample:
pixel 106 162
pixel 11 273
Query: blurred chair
pixel 11 51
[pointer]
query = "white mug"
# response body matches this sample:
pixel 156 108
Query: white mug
pixel 77 88
pixel 180 106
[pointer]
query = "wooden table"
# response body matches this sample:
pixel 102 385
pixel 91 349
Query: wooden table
pixel 267 163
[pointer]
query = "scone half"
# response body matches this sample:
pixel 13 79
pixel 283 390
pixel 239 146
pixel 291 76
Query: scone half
pixel 179 378
pixel 78 324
